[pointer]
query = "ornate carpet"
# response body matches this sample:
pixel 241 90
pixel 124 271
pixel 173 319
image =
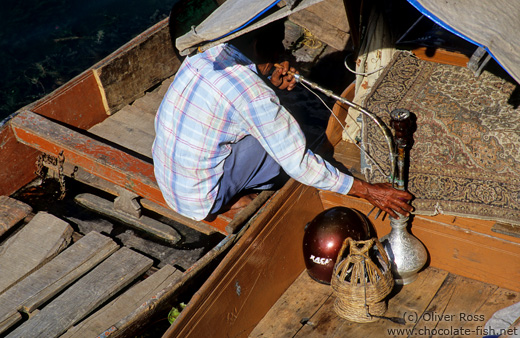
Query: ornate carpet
pixel 465 157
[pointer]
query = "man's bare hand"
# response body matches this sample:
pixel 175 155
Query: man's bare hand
pixel 383 196
pixel 282 76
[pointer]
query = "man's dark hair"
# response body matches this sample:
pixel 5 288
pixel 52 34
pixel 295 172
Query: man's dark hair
pixel 268 39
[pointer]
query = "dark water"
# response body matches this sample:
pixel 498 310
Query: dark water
pixel 44 43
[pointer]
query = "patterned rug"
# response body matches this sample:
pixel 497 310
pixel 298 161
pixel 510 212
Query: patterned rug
pixel 465 157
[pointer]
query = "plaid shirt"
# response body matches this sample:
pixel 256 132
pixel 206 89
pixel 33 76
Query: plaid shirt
pixel 216 99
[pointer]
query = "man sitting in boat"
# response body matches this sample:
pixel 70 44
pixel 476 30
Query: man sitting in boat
pixel 221 132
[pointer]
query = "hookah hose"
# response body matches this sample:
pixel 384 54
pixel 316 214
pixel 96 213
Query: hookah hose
pixel 382 126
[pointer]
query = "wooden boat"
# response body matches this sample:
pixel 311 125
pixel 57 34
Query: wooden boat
pixel 94 134
pixel 261 288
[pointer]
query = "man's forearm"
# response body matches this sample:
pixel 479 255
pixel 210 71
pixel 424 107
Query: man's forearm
pixel 383 196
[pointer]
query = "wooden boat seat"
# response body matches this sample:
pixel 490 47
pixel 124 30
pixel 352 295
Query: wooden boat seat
pixel 96 163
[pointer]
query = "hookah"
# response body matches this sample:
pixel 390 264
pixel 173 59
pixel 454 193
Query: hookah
pixel 407 253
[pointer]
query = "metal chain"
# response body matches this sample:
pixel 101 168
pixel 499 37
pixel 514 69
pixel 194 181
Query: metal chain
pixel 46 161
pixel 40 171
pixel 61 176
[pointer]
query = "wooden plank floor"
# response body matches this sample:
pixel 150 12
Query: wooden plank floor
pixel 84 296
pixel 36 289
pixel 438 303
pixel 133 126
pixel 54 278
pixel 125 304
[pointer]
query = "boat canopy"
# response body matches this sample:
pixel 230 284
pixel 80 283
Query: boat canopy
pixel 234 18
pixel 492 25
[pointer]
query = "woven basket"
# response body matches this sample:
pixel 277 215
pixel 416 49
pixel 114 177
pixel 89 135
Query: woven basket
pixel 362 280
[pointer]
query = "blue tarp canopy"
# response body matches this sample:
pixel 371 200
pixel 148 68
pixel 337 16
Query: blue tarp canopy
pixel 236 17
pixel 493 25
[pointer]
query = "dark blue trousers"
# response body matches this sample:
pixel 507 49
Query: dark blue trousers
pixel 248 167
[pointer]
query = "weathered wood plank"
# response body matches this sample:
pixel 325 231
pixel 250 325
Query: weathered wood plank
pixel 124 304
pixel 148 104
pixel 169 213
pixel 454 310
pixel 297 305
pixel 34 245
pixel 136 117
pixel 137 66
pixel 84 296
pixel 143 223
pixel 327 21
pixel 11 212
pixel 131 127
pixel 125 134
pixel 9 320
pixel 163 88
pixel 143 315
pixel 54 276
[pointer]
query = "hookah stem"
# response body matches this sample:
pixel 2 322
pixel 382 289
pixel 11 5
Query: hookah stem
pixel 382 126
pixel 401 123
